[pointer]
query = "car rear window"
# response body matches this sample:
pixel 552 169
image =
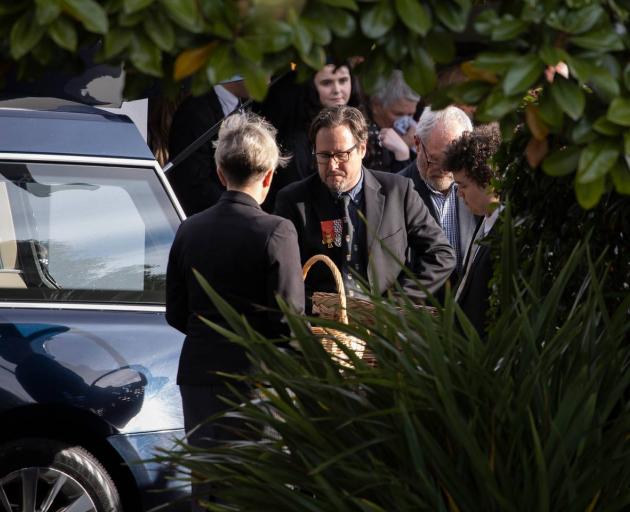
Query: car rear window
pixel 83 233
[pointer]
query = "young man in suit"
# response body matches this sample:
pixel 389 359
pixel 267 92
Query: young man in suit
pixel 326 209
pixel 248 257
pixel 470 159
pixel 435 184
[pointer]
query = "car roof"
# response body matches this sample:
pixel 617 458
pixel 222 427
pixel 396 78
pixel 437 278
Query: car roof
pixel 70 129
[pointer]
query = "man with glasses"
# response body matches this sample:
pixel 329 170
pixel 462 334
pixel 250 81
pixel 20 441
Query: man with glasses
pixel 328 209
pixel 435 184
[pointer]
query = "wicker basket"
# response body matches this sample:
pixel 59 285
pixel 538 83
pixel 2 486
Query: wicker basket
pixel 332 337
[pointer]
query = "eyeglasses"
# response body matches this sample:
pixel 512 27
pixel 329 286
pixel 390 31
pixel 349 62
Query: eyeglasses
pixel 339 157
pixel 437 164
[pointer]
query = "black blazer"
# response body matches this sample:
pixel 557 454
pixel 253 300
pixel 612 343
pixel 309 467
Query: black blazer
pixel 475 294
pixel 395 215
pixel 247 256
pixel 195 181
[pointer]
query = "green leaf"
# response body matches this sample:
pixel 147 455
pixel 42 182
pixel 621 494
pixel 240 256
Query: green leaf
pixel 485 21
pixel 185 13
pixel 63 32
pixel 46 11
pixel 131 20
pixel 316 58
pixel 619 111
pixel 589 194
pixel 131 6
pixel 440 46
pixel 43 52
pixel 583 20
pixel 302 39
pixel 25 34
pixel 221 64
pixel 508 28
pixel 626 143
pixel 621 178
pixel 145 56
pixel 569 96
pixel 378 20
pixel 604 39
pixel 626 76
pixel 604 126
pixel 582 132
pixel 596 160
pixel 396 48
pixel 160 31
pixel 597 76
pixel 522 74
pixel 320 32
pixel 342 24
pixel 497 62
pixel 256 80
pixel 562 162
pixel 420 73
pixel 453 18
pixel 277 36
pixel 89 13
pixel 470 92
pixel 115 41
pixel 550 112
pixel 347 4
pixel 551 55
pixel 496 105
pixel 249 47
pixel 414 15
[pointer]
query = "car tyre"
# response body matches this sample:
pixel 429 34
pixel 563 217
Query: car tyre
pixel 58 476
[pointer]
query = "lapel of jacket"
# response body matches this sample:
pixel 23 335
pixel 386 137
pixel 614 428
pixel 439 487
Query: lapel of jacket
pixel 468 224
pixel 425 194
pixel 374 206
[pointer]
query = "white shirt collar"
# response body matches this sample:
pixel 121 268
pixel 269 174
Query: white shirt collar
pixel 228 101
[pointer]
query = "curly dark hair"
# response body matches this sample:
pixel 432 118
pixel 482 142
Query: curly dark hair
pixel 473 153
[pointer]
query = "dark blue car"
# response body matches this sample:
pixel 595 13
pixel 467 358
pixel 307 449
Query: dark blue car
pixel 87 361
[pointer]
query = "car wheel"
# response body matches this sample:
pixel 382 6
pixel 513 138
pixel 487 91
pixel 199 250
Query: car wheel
pixel 41 475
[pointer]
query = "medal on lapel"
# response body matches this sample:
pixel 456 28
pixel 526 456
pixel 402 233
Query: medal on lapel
pixel 332 232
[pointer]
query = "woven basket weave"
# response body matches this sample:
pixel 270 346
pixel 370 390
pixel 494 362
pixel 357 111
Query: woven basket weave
pixel 337 312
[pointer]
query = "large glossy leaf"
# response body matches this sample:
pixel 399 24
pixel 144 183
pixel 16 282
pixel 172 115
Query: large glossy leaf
pixel 378 20
pixel 626 76
pixel 604 39
pixel 522 74
pixel 621 177
pixel 619 111
pixel 46 11
pixel 508 28
pixel 319 30
pixel 453 17
pixel 496 105
pixel 256 80
pixel 347 4
pixel 116 40
pixel 221 64
pixel 89 13
pixel 249 47
pixel 185 13
pixel 597 76
pixel 440 46
pixel 302 39
pixel 25 34
pixel 470 92
pixel 342 24
pixel 63 32
pixel 160 30
pixel 277 36
pixel 596 160
pixel 414 15
pixel 605 127
pixel 498 62
pixel 569 96
pixel 420 72
pixel 131 6
pixel 562 162
pixel 145 56
pixel 589 194
pixel 190 61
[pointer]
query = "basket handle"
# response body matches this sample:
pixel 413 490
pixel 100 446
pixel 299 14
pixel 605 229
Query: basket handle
pixel 341 291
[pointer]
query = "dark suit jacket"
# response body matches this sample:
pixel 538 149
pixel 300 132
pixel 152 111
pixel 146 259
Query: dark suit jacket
pixel 474 297
pixel 468 222
pixel 247 256
pixel 195 180
pixel 395 215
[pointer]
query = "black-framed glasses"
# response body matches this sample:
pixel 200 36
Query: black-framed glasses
pixel 437 164
pixel 339 157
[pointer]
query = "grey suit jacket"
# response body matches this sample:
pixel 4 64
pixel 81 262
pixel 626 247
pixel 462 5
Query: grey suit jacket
pixel 397 221
pixel 468 222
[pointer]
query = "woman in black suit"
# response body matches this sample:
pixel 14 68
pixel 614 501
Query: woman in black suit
pixel 248 256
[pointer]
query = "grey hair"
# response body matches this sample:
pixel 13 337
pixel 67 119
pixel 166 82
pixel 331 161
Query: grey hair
pixel 450 117
pixel 394 89
pixel 247 148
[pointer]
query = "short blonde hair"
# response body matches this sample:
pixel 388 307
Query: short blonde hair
pixel 246 148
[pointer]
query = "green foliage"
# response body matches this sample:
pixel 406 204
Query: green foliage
pixel 536 418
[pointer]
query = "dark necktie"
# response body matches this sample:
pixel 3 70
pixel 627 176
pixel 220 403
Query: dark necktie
pixel 345 199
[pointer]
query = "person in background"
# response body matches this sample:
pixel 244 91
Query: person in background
pixel 291 106
pixel 470 158
pixel 391 126
pixel 195 181
pixel 326 209
pixel 248 256
pixel 435 184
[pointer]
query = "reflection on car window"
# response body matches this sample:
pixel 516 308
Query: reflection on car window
pixel 83 233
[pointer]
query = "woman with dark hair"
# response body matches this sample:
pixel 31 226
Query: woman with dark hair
pixel 291 106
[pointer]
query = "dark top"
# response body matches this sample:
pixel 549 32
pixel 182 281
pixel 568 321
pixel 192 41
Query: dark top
pixel 395 215
pixel 247 256
pixel 195 180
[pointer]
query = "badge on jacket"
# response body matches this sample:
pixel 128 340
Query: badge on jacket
pixel 332 232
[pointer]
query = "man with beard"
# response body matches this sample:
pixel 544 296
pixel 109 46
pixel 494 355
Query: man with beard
pixel 435 184
pixel 328 209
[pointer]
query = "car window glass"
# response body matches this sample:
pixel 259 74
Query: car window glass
pixel 84 233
